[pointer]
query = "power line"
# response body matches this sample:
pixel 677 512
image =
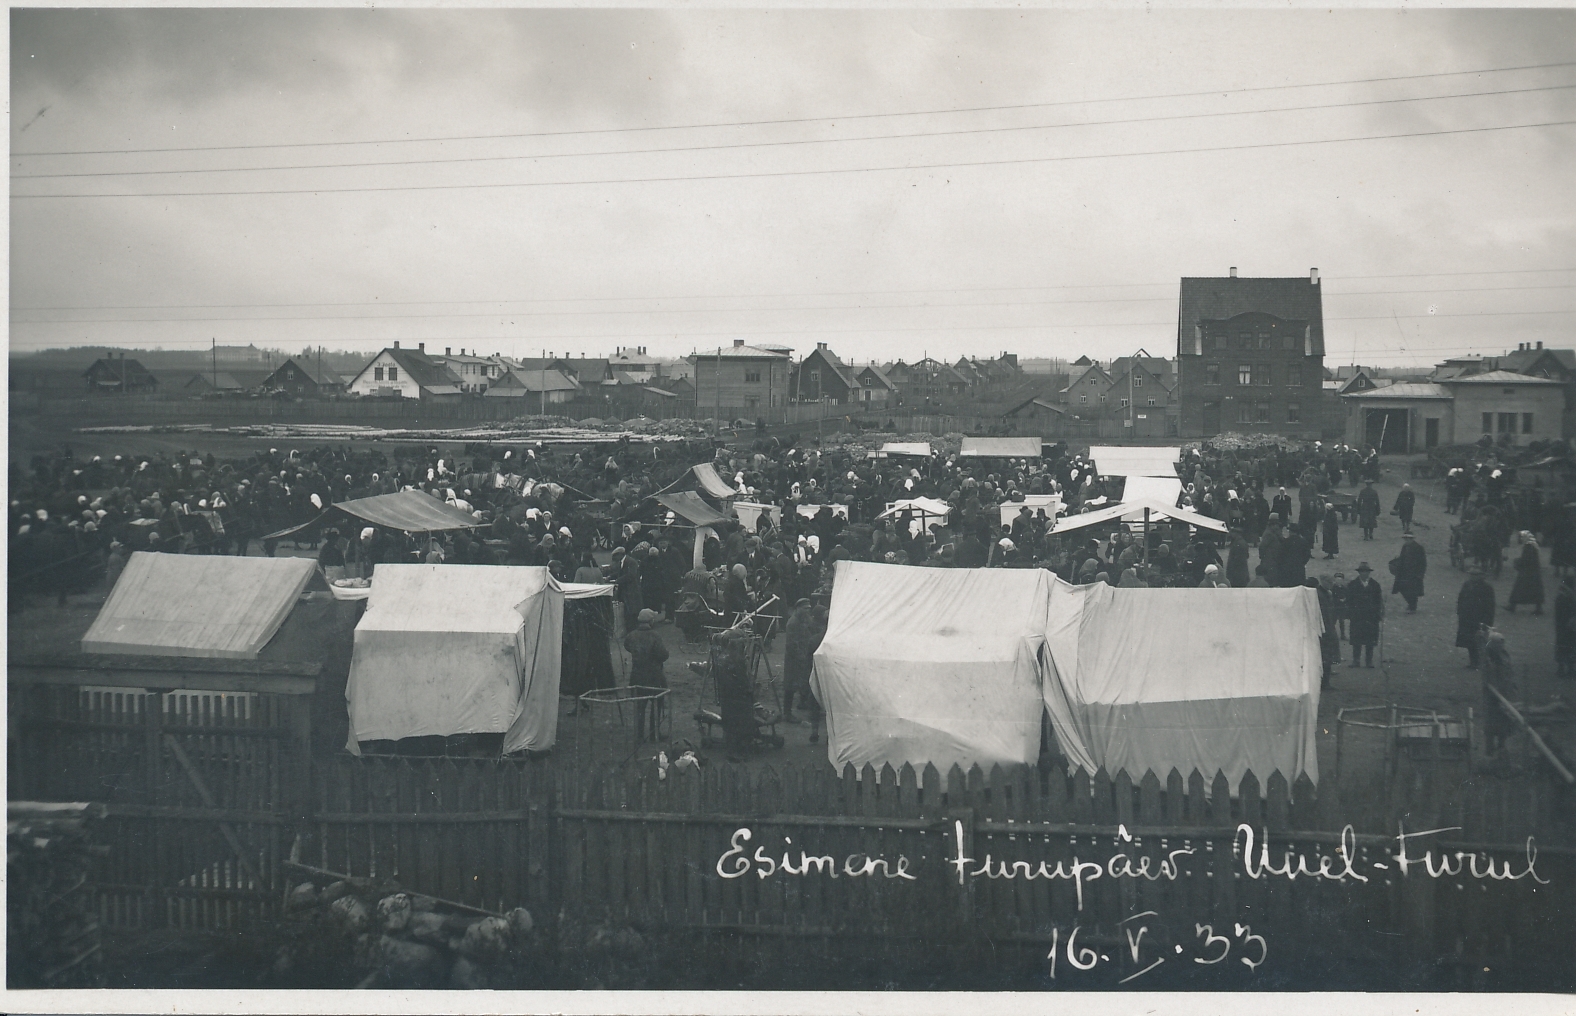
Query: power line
pixel 779 144
pixel 708 310
pixel 803 120
pixel 809 172
pixel 834 292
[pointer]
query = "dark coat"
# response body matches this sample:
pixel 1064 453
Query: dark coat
pixel 1332 531
pixel 1564 625
pixel 1368 508
pixel 1292 568
pixel 1410 565
pixel 646 653
pixel 1474 607
pixel 1364 606
pixel 1405 503
pixel 1237 562
pixel 1529 578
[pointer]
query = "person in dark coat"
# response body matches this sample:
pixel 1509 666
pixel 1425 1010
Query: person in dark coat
pixel 1292 566
pixel 1332 532
pixel 1565 629
pixel 1237 562
pixel 1405 504
pixel 1529 579
pixel 1474 609
pixel 1281 505
pixel 646 655
pixel 798 658
pixel 1368 509
pixel 1329 642
pixel 1270 550
pixel 1365 611
pixel 1497 675
pixel 736 594
pixel 735 693
pixel 1410 565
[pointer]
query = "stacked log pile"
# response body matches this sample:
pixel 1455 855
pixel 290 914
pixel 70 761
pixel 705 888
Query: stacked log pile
pixel 396 939
pixel 53 938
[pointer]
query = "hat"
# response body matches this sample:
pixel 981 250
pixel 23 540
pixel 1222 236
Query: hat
pixel 1005 544
pixel 646 616
pixel 804 601
pixel 1364 567
pixel 619 551
pixel 367 533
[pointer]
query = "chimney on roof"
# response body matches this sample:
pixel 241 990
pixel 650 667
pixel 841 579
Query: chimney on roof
pixel 396 343
pixel 1540 343
pixel 447 351
pixel 1313 276
pixel 421 347
pixel 820 345
pixel 1233 271
pixel 738 342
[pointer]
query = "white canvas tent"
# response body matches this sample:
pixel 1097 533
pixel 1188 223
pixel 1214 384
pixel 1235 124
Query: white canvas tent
pixel 1052 503
pixel 199 605
pixel 749 514
pixel 458 649
pixel 1208 679
pixel 1166 489
pixel 1118 460
pixel 927 512
pixel 1134 510
pixel 1001 448
pixel 933 665
pixel 918 449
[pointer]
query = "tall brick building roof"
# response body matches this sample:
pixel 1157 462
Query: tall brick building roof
pixel 1217 299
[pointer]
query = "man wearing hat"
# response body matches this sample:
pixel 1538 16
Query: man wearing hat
pixel 1410 565
pixel 1368 509
pixel 802 641
pixel 1365 612
pixel 624 571
pixel 646 655
pixel 1474 610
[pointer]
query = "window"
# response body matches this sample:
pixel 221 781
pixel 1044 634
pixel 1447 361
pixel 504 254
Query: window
pixel 1085 398
pixel 1245 340
pixel 1244 374
pixel 1293 413
pixel 1507 423
pixel 377 373
pixel 1151 402
pixel 1220 340
pixel 1265 341
pixel 1488 423
pixel 1288 341
pixel 1294 376
pixel 1261 412
pixel 1092 380
pixel 1526 423
pixel 1102 400
pixel 1124 403
pixel 1212 373
pixel 1264 373
pixel 751 401
pixel 393 373
pixel 1244 413
pixel 1138 380
pixel 753 377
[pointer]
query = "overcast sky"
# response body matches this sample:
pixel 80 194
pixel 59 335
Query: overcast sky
pixel 519 204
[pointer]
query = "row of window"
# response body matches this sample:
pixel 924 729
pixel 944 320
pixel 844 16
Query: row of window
pixel 1258 412
pixel 1250 374
pixel 1261 339
pixel 1085 400
pixel 393 374
pixel 1507 423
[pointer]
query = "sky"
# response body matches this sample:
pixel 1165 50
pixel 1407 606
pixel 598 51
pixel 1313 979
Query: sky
pixel 893 183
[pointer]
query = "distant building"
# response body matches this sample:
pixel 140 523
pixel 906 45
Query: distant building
pixel 303 379
pixel 636 363
pixel 116 375
pixel 741 381
pixel 475 372
pixel 406 373
pixel 1250 356
pixel 926 380
pixel 1406 417
pixel 821 376
pixel 1148 382
pixel 209 383
pixel 1088 388
pixel 531 384
pixel 875 388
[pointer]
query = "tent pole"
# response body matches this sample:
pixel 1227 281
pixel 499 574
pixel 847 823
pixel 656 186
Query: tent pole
pixel 1146 537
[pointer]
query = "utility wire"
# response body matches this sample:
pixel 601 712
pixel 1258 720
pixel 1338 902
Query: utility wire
pixel 804 120
pixel 718 310
pixel 776 296
pixel 809 172
pixel 776 144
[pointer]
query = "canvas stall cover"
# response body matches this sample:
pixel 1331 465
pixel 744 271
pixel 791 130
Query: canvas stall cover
pixel 692 509
pixel 926 511
pixel 1117 460
pixel 810 511
pixel 1001 448
pixel 934 665
pixel 920 449
pixel 1052 503
pixel 750 512
pixel 710 484
pixel 1206 679
pixel 1130 511
pixel 410 511
pixel 207 606
pixel 458 649
pixel 1166 489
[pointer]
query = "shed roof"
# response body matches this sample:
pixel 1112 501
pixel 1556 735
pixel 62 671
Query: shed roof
pixel 1405 390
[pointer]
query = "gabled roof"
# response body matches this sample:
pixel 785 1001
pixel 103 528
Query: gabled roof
pixel 1522 360
pixel 531 381
pixel 116 368
pixel 878 374
pixel 420 368
pixel 1406 390
pixel 223 381
pixel 844 372
pixel 1500 377
pixel 1217 299
pixel 320 377
pixel 737 353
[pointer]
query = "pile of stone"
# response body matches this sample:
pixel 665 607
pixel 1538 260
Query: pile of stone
pixel 52 927
pixel 397 939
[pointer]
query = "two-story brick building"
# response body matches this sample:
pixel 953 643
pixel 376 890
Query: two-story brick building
pixel 741 381
pixel 1250 356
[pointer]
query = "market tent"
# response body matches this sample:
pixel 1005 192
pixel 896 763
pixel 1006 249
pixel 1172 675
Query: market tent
pixel 1131 510
pixel 750 512
pixel 933 665
pixel 1165 489
pixel 1052 503
pixel 1001 448
pixel 410 511
pixel 689 507
pixel 207 606
pixel 458 649
pixel 710 483
pixel 1208 679
pixel 920 449
pixel 1119 460
pixel 928 512
pixel 810 511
